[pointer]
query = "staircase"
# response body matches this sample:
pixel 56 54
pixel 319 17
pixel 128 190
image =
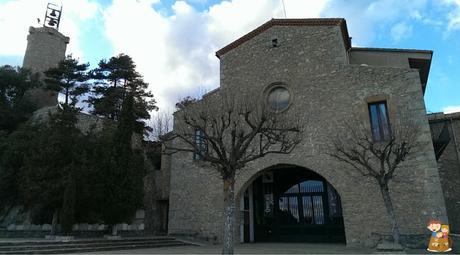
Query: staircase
pixel 83 246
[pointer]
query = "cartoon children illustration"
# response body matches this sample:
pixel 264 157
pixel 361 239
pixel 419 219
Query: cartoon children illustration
pixel 434 226
pixel 445 243
pixel 439 240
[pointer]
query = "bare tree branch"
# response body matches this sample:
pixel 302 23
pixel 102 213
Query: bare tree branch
pixel 376 159
pixel 235 132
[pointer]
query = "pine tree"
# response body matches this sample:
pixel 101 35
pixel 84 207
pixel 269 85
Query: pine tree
pixel 15 107
pixel 53 159
pixel 114 79
pixel 69 78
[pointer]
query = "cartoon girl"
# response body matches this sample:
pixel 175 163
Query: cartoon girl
pixel 445 243
pixel 434 226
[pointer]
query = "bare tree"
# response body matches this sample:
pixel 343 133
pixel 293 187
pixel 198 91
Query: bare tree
pixel 230 133
pixel 376 159
pixel 161 124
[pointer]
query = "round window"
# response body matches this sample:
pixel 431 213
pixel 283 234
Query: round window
pixel 278 98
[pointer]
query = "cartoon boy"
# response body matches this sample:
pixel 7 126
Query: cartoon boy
pixel 434 226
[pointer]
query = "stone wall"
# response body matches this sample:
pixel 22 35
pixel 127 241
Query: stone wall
pixel 156 188
pixel 85 122
pixel 136 227
pixel 45 49
pixel 449 164
pixel 325 91
pixel 78 230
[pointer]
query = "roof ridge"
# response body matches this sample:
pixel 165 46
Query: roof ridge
pixel 289 22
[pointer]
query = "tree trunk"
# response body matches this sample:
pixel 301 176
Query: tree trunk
pixel 7 211
pixel 67 97
pixel 390 211
pixel 68 206
pixel 54 222
pixel 229 215
pixel 114 230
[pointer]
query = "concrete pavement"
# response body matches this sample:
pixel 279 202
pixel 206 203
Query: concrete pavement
pixel 261 248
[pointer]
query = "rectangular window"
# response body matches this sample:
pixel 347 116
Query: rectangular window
pixel 380 124
pixel 200 145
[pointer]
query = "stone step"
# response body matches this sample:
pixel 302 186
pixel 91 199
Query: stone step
pixel 60 250
pixel 76 241
pixel 66 245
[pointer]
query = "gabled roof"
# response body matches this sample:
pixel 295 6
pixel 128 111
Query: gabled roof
pixel 290 22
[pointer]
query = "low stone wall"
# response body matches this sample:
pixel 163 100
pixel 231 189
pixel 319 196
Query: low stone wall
pixel 409 241
pixel 196 237
pixel 416 241
pixel 79 234
pixel 80 230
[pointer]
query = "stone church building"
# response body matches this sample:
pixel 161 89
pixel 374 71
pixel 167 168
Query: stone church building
pixel 306 196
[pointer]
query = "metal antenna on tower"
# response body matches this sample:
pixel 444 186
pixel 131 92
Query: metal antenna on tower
pixel 284 9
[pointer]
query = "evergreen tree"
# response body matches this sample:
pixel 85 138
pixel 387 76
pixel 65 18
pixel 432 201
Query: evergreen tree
pixel 15 107
pixel 13 148
pixel 69 78
pixel 120 94
pixel 50 165
pixel 124 171
pixel 55 169
pixel 114 79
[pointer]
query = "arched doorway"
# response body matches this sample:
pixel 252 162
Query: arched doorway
pixel 291 204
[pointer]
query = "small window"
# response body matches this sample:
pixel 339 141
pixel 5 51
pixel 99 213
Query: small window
pixel 380 124
pixel 201 147
pixel 278 98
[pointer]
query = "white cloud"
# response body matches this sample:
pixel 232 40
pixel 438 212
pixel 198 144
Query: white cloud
pixel 451 109
pixel 305 8
pixel 16 17
pixel 454 15
pixel 401 31
pixel 367 19
pixel 176 54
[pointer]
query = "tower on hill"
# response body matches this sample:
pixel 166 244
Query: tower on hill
pixel 46 47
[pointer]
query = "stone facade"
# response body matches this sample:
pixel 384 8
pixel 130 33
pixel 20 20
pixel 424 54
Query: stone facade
pixel 449 163
pixel 312 60
pixel 156 187
pixel 45 48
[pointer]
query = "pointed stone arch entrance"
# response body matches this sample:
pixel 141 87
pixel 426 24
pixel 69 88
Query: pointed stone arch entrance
pixel 287 203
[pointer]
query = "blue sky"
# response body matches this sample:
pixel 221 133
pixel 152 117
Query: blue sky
pixel 173 42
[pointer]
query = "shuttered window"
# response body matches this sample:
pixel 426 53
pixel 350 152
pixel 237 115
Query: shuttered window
pixel 380 124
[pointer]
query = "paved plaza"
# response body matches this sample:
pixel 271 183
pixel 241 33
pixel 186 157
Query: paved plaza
pixel 262 248
pixel 246 248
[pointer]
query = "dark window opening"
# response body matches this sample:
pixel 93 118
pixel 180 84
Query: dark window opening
pixel 275 42
pixel 201 147
pixel 380 124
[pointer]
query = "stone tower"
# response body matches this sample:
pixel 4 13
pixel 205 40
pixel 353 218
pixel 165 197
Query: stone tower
pixel 45 48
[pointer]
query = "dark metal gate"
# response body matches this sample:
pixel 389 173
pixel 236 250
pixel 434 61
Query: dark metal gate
pixel 296 205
